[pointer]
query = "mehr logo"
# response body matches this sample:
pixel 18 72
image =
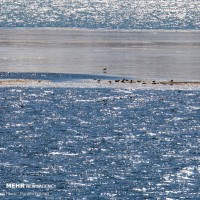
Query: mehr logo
pixel 29 186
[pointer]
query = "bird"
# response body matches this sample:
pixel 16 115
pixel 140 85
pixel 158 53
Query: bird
pixel 21 101
pixel 104 70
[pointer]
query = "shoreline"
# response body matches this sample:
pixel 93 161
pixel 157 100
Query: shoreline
pixel 99 83
pixel 14 79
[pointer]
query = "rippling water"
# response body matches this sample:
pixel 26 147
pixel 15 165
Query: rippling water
pixel 100 143
pixel 117 14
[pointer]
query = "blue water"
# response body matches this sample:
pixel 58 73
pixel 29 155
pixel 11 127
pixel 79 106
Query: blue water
pixel 115 14
pixel 100 143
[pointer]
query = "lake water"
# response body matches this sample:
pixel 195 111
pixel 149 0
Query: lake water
pixel 75 138
pixel 137 54
pixel 114 14
pixel 99 143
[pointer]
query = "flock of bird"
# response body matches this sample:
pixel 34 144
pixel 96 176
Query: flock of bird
pixel 133 81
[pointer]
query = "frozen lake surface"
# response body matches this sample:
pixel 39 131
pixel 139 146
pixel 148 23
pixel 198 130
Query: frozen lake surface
pixel 100 143
pixel 143 54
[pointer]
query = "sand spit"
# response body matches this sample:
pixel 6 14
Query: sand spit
pixel 21 82
pixel 99 83
pixel 123 81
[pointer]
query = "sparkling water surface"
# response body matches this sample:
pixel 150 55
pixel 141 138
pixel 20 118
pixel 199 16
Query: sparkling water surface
pixel 100 143
pixel 115 14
